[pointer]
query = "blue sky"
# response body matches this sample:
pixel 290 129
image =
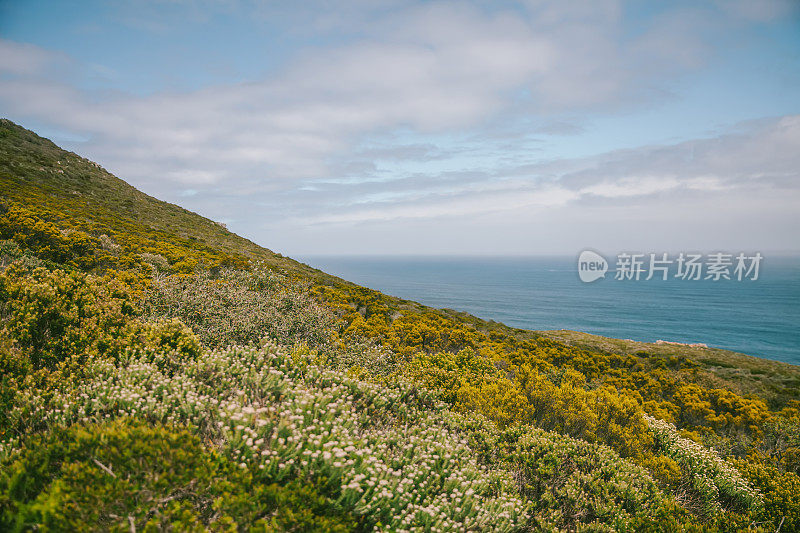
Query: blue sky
pixel 537 127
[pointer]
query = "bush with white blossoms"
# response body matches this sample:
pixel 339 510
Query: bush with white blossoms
pixel 710 483
pixel 392 457
pixel 240 307
pixel 245 306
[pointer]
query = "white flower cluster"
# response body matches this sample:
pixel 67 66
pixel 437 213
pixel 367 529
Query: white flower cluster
pixel 399 463
pixel 714 479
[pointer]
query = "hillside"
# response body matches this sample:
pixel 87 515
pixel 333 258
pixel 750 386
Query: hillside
pixel 127 321
pixel 775 381
pixel 81 194
pixel 75 193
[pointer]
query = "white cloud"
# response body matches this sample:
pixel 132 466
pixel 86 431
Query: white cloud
pixel 761 11
pixel 631 186
pixel 20 59
pixel 298 145
pixel 754 158
pixel 433 67
pixel 449 206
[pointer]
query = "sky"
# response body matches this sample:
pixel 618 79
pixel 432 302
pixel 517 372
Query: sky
pixel 539 127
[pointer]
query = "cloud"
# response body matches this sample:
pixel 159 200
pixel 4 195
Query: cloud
pixel 632 186
pixel 402 152
pixel 431 68
pixel 764 153
pixel 754 157
pixel 26 60
pixel 762 11
pixel 445 205
pixel 394 112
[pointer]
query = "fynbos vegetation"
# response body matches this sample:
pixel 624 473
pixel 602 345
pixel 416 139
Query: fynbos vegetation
pixel 160 373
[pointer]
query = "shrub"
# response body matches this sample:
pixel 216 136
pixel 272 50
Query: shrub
pixel 386 454
pixel 240 307
pixel 119 475
pixel 175 343
pixel 780 491
pixel 576 484
pixel 521 394
pixel 46 240
pixel 708 484
pixel 57 317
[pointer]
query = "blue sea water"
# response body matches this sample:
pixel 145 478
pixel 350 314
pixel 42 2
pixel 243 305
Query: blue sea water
pixel 760 318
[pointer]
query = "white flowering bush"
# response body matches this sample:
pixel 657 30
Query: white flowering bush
pixel 710 484
pixel 385 453
pixel 392 456
pixel 240 307
pixel 245 307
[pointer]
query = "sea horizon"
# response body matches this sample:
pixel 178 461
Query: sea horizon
pixel 544 292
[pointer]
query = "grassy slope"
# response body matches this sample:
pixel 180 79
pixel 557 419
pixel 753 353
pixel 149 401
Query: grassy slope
pixel 39 174
pixel 36 172
pixel 740 373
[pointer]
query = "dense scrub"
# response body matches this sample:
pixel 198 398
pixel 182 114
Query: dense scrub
pixel 153 376
pixel 240 307
pixel 381 456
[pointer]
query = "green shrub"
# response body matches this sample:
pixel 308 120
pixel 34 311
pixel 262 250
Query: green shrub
pixel 175 342
pixel 25 227
pixel 240 307
pixel 576 484
pixel 382 454
pixel 780 491
pixel 116 476
pixel 58 317
pixel 126 475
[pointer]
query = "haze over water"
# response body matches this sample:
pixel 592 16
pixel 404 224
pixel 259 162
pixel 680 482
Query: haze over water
pixel 760 318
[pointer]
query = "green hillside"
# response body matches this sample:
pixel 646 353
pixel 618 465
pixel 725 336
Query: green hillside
pixel 159 371
pixel 79 194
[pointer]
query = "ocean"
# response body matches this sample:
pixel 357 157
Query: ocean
pixel 759 318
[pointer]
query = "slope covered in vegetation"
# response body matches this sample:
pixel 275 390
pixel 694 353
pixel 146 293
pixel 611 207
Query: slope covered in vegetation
pixel 159 371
